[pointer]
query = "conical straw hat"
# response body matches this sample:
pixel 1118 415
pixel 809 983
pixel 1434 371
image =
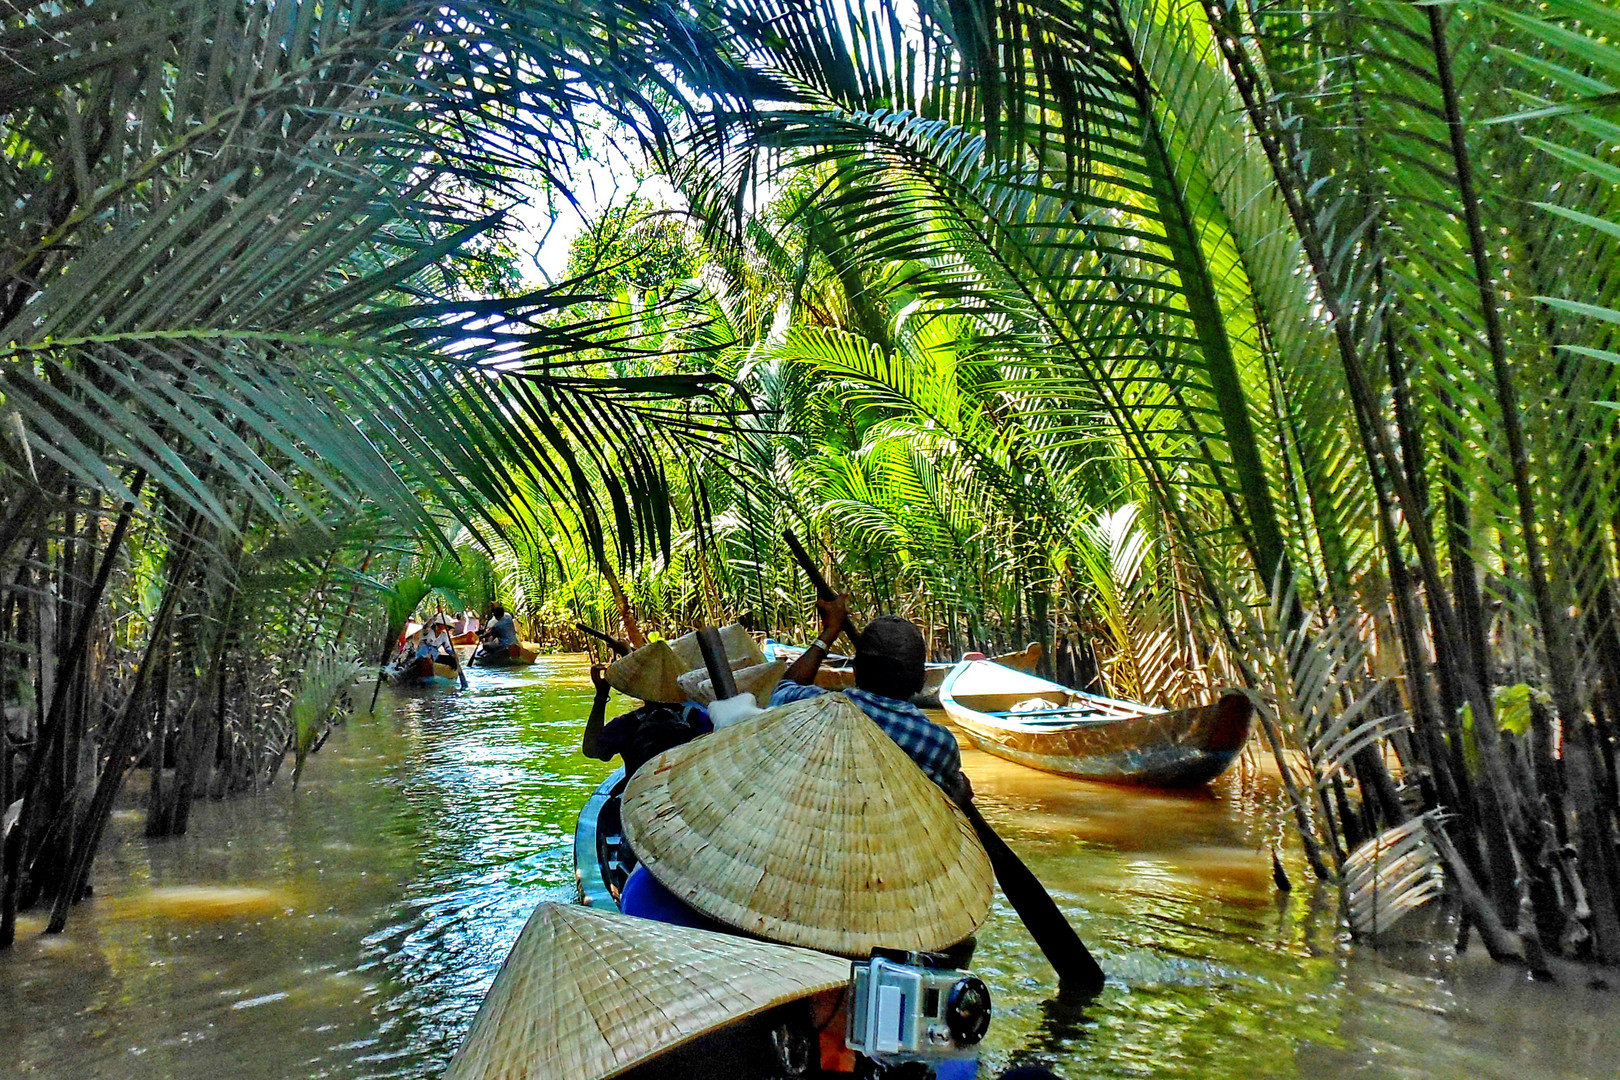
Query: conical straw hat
pixel 652 672
pixel 649 673
pixel 757 679
pixel 741 648
pixel 808 825
pixel 585 994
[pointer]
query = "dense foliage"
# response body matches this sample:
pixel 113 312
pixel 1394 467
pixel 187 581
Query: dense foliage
pixel 1268 345
pixel 1328 294
pixel 244 368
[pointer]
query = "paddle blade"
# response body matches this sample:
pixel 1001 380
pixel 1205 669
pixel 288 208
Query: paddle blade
pixel 1077 969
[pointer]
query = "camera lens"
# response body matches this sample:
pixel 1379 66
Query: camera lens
pixel 967 1010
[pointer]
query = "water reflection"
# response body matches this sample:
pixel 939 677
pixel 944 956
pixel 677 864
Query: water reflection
pixel 351 930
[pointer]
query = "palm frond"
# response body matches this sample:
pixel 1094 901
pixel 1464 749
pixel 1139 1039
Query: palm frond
pixel 1392 875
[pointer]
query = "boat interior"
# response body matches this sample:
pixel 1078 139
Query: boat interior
pixel 1022 699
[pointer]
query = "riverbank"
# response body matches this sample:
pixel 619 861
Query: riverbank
pixel 350 930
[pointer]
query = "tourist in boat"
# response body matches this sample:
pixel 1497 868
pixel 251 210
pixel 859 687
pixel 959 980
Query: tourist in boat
pixel 500 635
pixel 436 643
pixel 642 733
pixel 465 631
pixel 409 639
pixel 436 647
pixel 890 658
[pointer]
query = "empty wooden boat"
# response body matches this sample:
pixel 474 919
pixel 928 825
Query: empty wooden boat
pixel 1046 726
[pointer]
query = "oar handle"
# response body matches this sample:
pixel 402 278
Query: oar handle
pixel 619 648
pixel 714 658
pixel 819 583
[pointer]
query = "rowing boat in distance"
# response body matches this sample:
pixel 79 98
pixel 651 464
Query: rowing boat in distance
pixel 1044 725
pixel 522 656
pixel 420 672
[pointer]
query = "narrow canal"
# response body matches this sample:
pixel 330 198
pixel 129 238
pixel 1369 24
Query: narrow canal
pixel 350 930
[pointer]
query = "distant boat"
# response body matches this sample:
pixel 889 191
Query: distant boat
pixel 421 672
pixel 522 656
pixel 838 672
pixel 1034 722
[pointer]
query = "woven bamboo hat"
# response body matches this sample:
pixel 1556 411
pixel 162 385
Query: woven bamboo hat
pixel 585 994
pixel 756 679
pixel 650 673
pixel 653 672
pixel 741 649
pixel 807 825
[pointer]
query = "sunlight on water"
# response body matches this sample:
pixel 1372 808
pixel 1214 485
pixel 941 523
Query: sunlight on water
pixel 202 902
pixel 350 930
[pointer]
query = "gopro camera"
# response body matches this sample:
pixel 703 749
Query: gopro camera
pixel 907 1012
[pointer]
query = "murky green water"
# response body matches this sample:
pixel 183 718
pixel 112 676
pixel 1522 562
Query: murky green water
pixel 350 930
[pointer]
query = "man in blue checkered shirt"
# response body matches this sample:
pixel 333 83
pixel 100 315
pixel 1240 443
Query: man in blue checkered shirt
pixel 889 661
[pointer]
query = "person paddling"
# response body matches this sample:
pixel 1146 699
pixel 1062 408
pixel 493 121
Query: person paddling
pixel 642 733
pixel 435 642
pixel 409 640
pixel 500 635
pixel 890 657
pixel 440 647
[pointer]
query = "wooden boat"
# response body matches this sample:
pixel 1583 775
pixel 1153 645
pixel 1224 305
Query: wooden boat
pixel 838 672
pixel 1032 721
pixel 417 673
pixel 522 656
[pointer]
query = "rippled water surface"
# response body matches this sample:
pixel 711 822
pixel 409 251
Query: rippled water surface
pixel 350 929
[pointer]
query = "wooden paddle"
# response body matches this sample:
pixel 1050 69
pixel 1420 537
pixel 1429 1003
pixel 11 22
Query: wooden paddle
pixel 823 590
pixel 719 665
pixel 1077 969
pixel 619 648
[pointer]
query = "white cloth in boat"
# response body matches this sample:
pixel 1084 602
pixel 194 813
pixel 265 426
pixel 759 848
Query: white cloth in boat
pixel 434 641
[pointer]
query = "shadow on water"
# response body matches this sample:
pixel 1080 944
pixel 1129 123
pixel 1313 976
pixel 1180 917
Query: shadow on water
pixel 351 930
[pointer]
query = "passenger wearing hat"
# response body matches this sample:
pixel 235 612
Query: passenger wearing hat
pixel 435 642
pixel 889 668
pixel 644 732
pixel 434 646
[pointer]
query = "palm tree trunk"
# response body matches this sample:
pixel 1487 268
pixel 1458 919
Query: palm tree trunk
pixel 121 739
pixel 1502 812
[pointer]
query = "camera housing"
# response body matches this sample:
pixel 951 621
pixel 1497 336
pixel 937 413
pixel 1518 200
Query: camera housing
pixel 910 1012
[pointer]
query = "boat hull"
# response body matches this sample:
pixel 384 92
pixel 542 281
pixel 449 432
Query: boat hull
pixel 602 859
pixel 413 674
pixel 1178 748
pixel 524 655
